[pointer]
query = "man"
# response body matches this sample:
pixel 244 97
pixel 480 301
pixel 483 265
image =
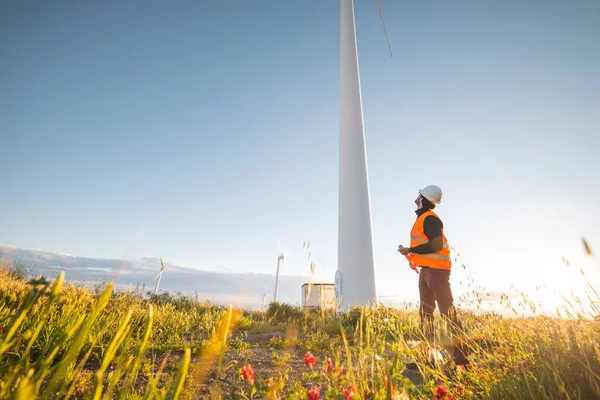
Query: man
pixel 429 250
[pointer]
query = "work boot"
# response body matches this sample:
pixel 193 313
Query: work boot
pixel 459 354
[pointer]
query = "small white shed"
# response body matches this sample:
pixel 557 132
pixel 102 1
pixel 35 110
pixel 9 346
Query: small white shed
pixel 318 295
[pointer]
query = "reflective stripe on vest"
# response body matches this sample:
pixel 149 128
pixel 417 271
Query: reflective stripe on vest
pixel 435 256
pixel 421 240
pixel 418 239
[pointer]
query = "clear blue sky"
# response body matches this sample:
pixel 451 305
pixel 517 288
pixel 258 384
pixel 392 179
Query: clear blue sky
pixel 205 130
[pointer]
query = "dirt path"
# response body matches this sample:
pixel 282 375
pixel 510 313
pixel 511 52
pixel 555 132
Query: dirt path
pixel 268 362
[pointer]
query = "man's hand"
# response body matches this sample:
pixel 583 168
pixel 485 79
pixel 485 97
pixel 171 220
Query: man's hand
pixel 404 250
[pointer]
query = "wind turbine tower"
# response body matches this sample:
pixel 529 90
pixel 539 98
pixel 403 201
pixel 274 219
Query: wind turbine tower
pixel 355 277
pixel 159 276
pixel 280 257
pixel 265 294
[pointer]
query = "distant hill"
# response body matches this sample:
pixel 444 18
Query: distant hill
pixel 240 289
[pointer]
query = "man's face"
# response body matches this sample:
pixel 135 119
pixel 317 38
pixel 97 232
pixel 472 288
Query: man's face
pixel 419 201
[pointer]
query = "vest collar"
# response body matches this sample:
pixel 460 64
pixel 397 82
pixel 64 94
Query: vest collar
pixel 421 211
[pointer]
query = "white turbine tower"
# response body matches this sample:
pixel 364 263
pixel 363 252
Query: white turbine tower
pixel 159 276
pixel 355 277
pixel 280 259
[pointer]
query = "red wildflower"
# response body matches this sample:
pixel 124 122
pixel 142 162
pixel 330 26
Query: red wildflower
pixel 330 366
pixel 349 392
pixel 441 392
pixel 313 393
pixel 247 374
pixel 460 389
pixel 309 359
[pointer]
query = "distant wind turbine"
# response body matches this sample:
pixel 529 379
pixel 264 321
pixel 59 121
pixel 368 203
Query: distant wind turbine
pixel 280 259
pixel 265 294
pixel 159 276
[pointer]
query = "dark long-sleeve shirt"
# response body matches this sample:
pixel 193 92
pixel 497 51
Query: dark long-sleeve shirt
pixel 433 227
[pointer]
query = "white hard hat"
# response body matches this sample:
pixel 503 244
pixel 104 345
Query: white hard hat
pixel 432 193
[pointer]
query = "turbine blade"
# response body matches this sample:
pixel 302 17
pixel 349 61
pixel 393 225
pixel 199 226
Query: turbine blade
pixel 384 30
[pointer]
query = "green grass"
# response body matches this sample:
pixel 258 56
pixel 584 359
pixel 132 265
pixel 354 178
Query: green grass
pixel 62 341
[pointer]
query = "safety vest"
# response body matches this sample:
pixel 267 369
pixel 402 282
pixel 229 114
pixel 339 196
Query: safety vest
pixel 438 260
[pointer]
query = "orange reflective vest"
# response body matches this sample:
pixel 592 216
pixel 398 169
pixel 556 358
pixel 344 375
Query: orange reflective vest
pixel 440 259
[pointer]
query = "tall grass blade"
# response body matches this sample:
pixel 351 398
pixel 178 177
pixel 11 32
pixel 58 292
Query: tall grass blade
pixel 132 376
pixel 110 354
pixel 180 377
pixel 57 382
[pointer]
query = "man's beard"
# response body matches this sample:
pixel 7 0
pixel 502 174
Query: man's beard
pixel 419 202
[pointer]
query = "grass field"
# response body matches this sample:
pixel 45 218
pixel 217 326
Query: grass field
pixel 58 341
